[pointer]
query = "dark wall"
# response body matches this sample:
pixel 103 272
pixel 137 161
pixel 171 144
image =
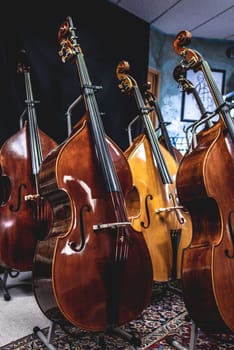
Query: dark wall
pixel 106 35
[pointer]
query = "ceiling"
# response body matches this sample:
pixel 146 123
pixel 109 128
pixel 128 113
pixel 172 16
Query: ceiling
pixel 211 19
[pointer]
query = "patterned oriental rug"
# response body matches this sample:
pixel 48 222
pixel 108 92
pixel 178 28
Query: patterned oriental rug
pixel 161 324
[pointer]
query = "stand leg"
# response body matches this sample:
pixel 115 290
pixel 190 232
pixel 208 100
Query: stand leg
pixel 3 281
pixel 46 340
pixel 193 337
pixel 132 339
pixel 175 287
pixel 192 342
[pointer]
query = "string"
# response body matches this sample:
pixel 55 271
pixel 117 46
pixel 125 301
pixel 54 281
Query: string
pixel 161 163
pixel 103 154
pixel 36 150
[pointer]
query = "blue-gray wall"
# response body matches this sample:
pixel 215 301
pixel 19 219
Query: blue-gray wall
pixel 163 58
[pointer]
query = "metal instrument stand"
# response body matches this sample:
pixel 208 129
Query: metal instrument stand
pixel 192 342
pixel 3 281
pixel 69 112
pixel 47 340
pixel 127 336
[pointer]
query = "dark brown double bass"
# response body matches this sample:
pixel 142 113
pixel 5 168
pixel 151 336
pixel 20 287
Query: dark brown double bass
pixel 94 270
pixel 205 186
pixel 24 215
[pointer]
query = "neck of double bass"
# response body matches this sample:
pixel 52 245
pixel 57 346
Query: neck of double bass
pixel 153 139
pixel 220 104
pixel 98 133
pixel 34 139
pixel 163 128
pixel 204 112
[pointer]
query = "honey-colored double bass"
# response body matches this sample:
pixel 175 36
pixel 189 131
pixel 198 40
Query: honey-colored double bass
pixel 153 203
pixel 94 270
pixel 205 186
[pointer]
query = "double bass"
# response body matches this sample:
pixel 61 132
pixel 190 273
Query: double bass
pixel 24 215
pixel 94 269
pixel 205 186
pixel 153 203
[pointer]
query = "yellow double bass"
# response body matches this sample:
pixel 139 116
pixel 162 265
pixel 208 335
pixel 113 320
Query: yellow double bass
pixel 153 205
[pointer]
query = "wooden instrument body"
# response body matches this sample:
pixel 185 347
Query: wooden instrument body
pixel 205 186
pixel 151 195
pixel 175 152
pixel 19 230
pixel 76 275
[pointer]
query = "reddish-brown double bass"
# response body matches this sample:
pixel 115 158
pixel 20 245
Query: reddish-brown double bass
pixel 205 186
pixel 24 215
pixel 94 269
